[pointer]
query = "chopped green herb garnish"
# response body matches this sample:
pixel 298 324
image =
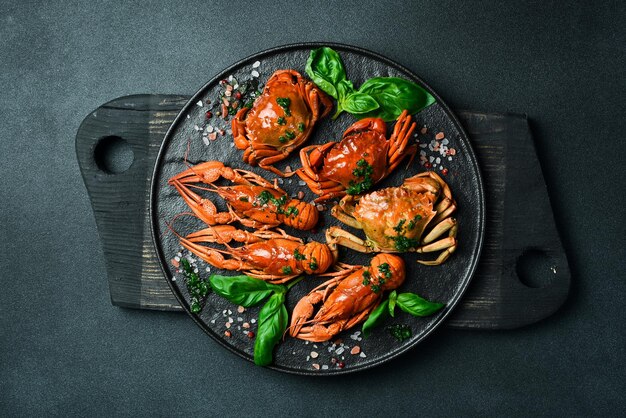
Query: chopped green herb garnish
pixel 385 270
pixel 375 288
pixel 265 197
pixel 284 102
pixel 301 127
pixel 281 120
pixel 364 170
pixel 249 103
pixel 287 270
pixel 413 222
pixel 366 277
pixel 282 139
pixel 244 199
pixel 404 244
pixel 232 110
pixel 298 255
pixel 292 210
pixel 400 332
pixel 197 287
pixel 313 264
pixel 280 201
pixel 398 228
pixel 290 135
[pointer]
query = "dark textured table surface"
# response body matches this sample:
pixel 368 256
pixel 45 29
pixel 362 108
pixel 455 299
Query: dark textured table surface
pixel 64 350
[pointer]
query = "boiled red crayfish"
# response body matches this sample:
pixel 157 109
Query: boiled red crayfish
pixel 253 201
pixel 347 299
pixel 272 256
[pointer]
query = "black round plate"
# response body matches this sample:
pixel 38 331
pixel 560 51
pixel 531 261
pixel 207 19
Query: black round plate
pixel 445 283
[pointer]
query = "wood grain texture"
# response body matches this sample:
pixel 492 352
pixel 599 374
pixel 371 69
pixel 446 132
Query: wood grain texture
pixel 519 216
pixel 121 201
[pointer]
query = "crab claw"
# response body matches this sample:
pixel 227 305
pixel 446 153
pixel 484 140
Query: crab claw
pixel 367 124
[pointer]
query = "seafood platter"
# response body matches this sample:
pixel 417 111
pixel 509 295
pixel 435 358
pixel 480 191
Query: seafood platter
pixel 317 209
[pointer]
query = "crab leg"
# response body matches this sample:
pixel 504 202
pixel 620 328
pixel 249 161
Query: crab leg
pixel 449 244
pixel 272 158
pixel 441 259
pixel 446 208
pixel 399 140
pixel 439 245
pixel 238 126
pixel 328 195
pixel 339 212
pixel 312 157
pixel 439 230
pixel 346 239
pixel 423 183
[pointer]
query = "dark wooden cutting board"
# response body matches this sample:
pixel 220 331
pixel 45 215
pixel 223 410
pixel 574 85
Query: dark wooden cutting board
pixel 522 277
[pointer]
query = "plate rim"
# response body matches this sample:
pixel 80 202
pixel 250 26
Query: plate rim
pixel 455 121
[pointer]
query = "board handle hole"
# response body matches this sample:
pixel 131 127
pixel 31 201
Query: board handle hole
pixel 113 155
pixel 535 268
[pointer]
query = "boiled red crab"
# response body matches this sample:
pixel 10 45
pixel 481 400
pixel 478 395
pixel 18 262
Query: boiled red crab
pixel 347 299
pixel 362 158
pixel 415 216
pixel 280 120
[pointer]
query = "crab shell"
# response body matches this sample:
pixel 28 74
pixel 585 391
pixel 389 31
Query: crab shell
pixel 366 140
pixel 385 214
pixel 268 132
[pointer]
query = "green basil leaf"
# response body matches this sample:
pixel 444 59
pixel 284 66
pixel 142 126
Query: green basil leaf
pixel 394 95
pixel 325 68
pixel 357 103
pixel 377 316
pixel 344 89
pixel 243 290
pixel 393 296
pixel 417 305
pixel 272 325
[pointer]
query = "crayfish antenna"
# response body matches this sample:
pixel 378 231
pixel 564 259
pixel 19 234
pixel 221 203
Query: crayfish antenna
pixel 208 188
pixel 171 228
